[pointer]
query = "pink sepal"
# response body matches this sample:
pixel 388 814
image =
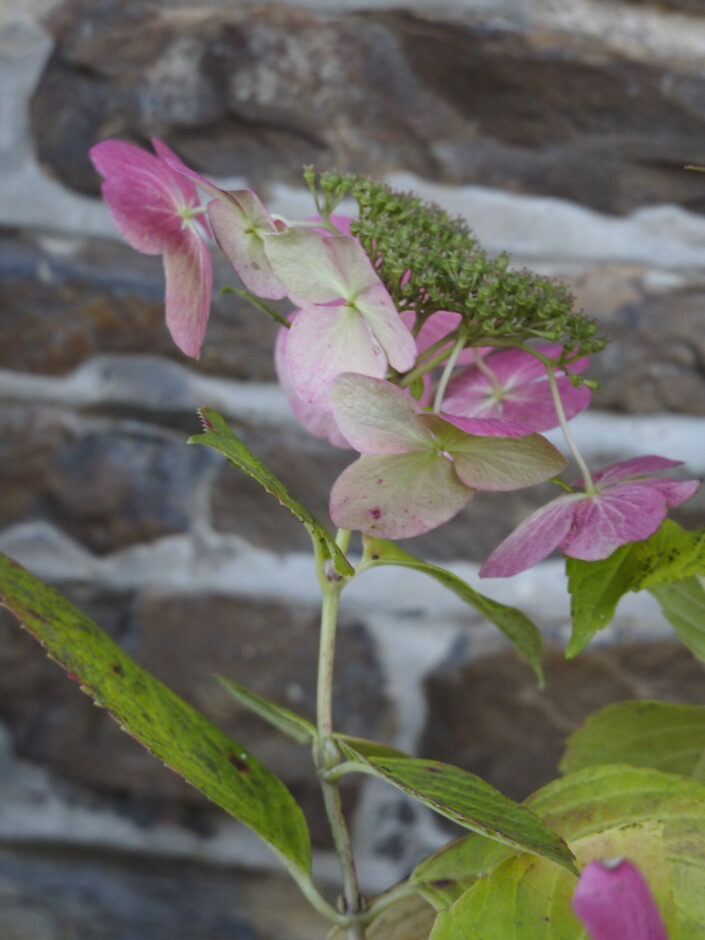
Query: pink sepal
pixel 614 902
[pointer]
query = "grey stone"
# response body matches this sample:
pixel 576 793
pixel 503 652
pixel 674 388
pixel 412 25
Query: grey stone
pixel 51 898
pixel 257 91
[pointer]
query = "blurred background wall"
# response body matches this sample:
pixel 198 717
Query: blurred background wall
pixel 560 129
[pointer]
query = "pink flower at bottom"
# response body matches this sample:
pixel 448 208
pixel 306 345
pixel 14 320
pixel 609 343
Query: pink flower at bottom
pixel 614 902
pixel 629 506
pixel 158 212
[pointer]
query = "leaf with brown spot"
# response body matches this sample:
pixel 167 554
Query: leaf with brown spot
pixel 166 725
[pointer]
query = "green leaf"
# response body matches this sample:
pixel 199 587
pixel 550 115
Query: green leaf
pixel 217 434
pixel 596 587
pixel 410 918
pixel 661 735
pixel 445 875
pixel 670 554
pixel 286 721
pixel 515 625
pixel 467 800
pixel 172 730
pixel 656 819
pixel 683 605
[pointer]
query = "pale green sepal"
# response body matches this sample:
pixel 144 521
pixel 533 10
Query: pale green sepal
pixel 515 625
pixel 217 434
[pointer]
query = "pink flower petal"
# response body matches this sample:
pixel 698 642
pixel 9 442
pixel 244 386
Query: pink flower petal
pixel 623 513
pixel 634 467
pixel 141 193
pixel 325 341
pixel 487 427
pixel 495 463
pixel 189 283
pixel 239 219
pixel 397 496
pixel 532 540
pixel 525 394
pixel 614 902
pixel 316 421
pixel 172 161
pixel 321 269
pixel 396 340
pixel 376 416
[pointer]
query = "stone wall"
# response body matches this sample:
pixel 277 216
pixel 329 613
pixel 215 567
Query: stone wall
pixel 560 130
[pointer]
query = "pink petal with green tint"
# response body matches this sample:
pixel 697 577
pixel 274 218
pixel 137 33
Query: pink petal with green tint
pixel 496 463
pixel 614 902
pixel 524 394
pixel 487 427
pixel 239 220
pixel 316 421
pixel 397 496
pixel 189 282
pixel 319 269
pixel 242 245
pixel 376 416
pixel 533 540
pixel 325 341
pixel 142 193
pixel 396 340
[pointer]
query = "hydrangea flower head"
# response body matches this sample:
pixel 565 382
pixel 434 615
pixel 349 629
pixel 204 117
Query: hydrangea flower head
pixel 418 469
pixel 629 505
pixel 614 902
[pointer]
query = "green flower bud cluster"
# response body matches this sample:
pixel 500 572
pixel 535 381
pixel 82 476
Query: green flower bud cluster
pixel 430 261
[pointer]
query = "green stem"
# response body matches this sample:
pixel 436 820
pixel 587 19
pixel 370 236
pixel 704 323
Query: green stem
pixel 560 411
pixel 257 302
pixel 327 753
pixel 449 366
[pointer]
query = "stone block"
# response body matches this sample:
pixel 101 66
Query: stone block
pixel 65 300
pixel 526 104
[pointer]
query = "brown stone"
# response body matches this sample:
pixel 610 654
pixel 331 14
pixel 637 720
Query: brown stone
pixel 59 309
pixel 259 91
pixel 489 717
